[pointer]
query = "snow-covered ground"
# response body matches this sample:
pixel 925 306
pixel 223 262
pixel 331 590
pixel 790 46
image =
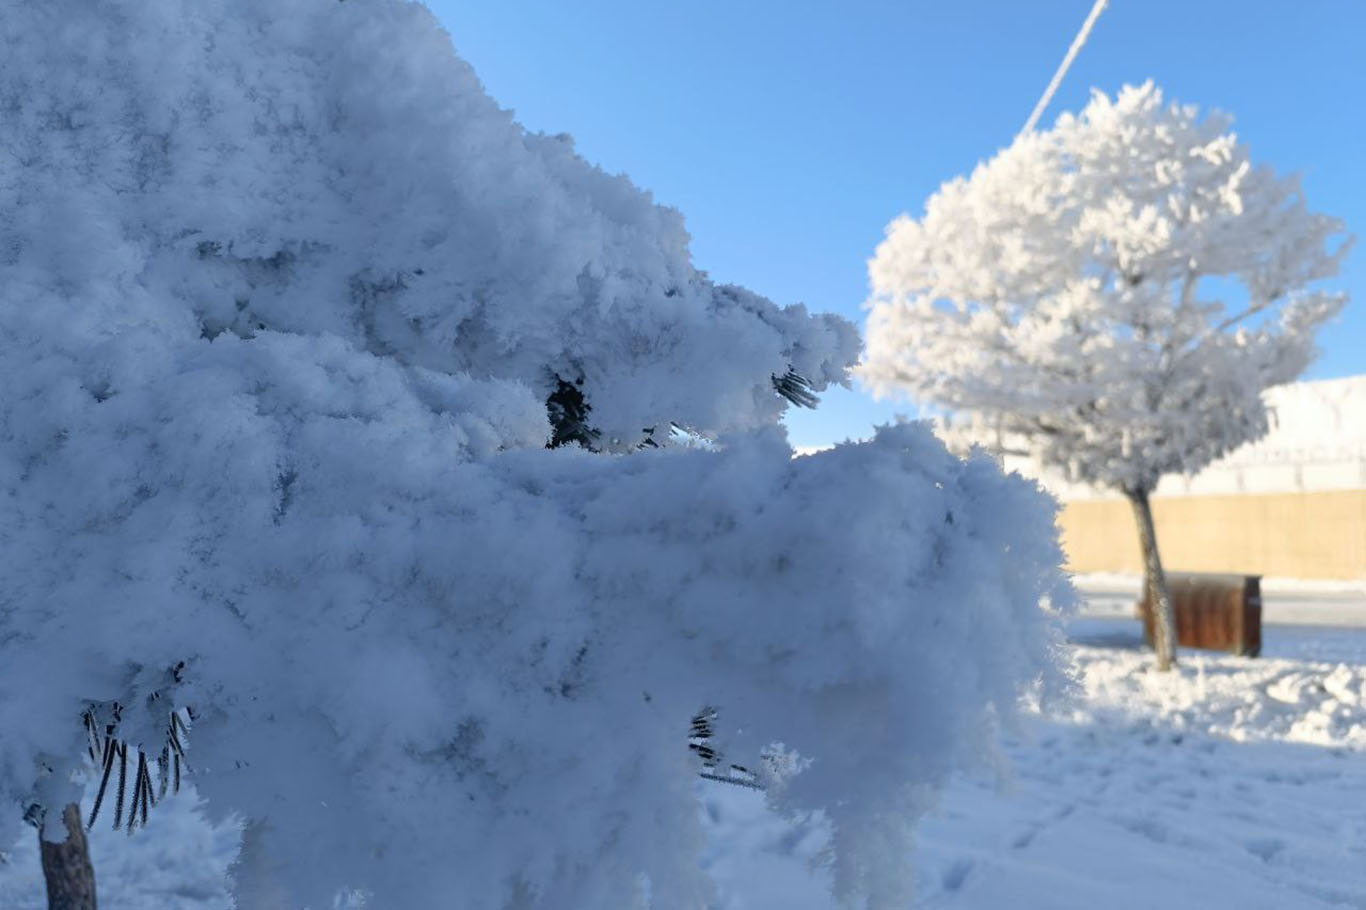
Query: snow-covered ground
pixel 1231 783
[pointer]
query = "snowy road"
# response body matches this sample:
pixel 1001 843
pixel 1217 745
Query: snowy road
pixel 1345 606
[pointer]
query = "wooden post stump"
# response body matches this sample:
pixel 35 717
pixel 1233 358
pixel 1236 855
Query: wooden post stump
pixel 67 869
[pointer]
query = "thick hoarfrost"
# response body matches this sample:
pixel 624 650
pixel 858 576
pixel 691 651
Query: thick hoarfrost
pixel 1111 295
pixel 319 170
pixel 284 295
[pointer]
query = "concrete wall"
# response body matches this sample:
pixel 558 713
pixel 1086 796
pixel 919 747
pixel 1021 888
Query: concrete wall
pixel 1290 505
pixel 1320 534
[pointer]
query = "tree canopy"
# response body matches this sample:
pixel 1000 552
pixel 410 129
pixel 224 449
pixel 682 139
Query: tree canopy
pixel 1109 296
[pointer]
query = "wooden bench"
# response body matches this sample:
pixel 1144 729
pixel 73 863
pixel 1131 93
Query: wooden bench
pixel 1214 612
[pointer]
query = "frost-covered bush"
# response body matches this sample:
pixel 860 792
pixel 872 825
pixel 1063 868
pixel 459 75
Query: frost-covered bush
pixel 283 295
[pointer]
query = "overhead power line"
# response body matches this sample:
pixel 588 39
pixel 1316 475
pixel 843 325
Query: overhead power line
pixel 1066 64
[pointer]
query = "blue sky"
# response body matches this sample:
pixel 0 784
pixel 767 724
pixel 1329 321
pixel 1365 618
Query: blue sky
pixel 789 133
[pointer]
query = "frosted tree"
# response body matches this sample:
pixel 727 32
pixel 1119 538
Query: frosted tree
pixel 290 311
pixel 1109 297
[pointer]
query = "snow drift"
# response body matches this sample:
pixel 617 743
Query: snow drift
pixel 284 294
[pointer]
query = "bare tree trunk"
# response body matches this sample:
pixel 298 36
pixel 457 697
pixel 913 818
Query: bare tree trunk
pixel 66 866
pixel 1155 581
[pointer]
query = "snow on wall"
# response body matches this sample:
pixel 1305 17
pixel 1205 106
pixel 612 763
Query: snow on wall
pixel 1317 442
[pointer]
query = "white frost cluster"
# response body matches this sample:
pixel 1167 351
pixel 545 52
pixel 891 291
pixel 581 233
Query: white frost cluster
pixel 282 297
pixel 1112 294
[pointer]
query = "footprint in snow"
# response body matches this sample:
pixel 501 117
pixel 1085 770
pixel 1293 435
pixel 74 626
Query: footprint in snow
pixel 957 873
pixel 1265 848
